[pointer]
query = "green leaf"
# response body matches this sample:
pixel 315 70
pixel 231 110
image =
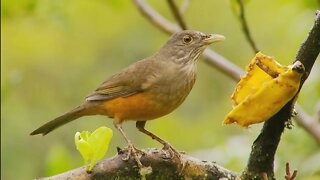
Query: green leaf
pixel 85 135
pixel 84 147
pixel 100 140
pixel 93 146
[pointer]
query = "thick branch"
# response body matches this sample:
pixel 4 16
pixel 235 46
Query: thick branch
pixel 264 148
pixel 311 126
pixel 310 48
pixel 162 168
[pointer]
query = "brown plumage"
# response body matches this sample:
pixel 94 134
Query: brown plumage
pixel 147 89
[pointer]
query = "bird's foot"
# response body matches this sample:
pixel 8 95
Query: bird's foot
pixel 173 152
pixel 133 151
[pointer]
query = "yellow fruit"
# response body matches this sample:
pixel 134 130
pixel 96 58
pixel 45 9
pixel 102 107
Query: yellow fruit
pixel 264 90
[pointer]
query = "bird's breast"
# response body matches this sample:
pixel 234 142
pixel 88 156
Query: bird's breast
pixel 173 87
pixel 162 96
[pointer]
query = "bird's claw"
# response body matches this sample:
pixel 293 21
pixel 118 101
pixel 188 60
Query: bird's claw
pixel 173 152
pixel 133 151
pixel 127 156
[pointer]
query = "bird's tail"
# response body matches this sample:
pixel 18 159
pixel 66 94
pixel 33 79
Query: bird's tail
pixel 82 110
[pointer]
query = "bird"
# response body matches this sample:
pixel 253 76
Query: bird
pixel 145 90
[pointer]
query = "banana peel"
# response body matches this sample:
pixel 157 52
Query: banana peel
pixel 264 90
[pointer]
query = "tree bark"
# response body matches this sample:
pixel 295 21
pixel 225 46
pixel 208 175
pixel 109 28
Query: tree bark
pixel 163 167
pixel 264 147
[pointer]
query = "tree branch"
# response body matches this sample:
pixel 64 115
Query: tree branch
pixel 310 124
pixel 212 58
pixel 162 166
pixel 222 64
pixel 184 6
pixel 177 14
pixel 288 175
pixel 312 127
pixel 155 18
pixel 245 27
pixel 264 147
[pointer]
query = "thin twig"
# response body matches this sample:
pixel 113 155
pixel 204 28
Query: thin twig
pixel 264 176
pixel 245 26
pixel 222 64
pixel 184 6
pixel 176 13
pixel 288 175
pixel 316 115
pixel 155 18
pixel 310 124
pixel 211 57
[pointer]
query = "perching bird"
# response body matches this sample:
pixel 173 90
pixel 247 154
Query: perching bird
pixel 147 89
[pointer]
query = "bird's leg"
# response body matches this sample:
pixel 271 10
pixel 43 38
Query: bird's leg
pixel 141 124
pixel 131 149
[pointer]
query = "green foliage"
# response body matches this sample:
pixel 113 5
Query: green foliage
pixel 93 146
pixel 11 8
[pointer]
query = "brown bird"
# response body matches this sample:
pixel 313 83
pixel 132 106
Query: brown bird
pixel 147 89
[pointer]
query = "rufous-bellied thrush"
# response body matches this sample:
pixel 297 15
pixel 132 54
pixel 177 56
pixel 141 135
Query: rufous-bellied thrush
pixel 147 89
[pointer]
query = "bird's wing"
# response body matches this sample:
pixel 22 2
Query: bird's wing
pixel 125 83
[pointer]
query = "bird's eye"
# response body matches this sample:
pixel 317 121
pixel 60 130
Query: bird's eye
pixel 187 39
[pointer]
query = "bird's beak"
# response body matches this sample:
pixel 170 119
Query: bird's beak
pixel 211 38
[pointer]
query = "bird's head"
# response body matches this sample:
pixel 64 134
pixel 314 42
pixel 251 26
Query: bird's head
pixel 187 45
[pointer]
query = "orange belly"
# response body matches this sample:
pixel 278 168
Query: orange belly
pixel 139 107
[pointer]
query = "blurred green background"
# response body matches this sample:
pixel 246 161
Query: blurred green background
pixel 55 52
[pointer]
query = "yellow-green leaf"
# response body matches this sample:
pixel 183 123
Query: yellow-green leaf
pixel 84 147
pixel 100 140
pixel 93 146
